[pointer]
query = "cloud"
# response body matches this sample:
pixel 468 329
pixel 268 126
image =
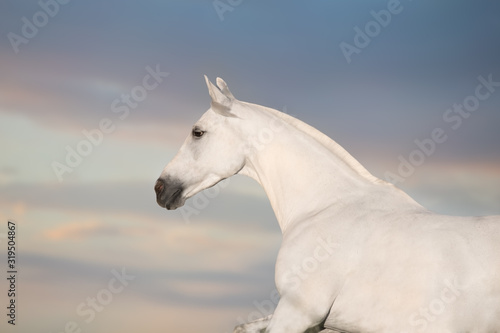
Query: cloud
pixel 76 98
pixel 7 173
pixel 235 207
pixel 466 189
pixel 78 231
pixel 171 133
pixel 158 284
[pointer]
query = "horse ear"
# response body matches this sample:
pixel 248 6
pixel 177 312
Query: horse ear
pixel 222 99
pixel 223 87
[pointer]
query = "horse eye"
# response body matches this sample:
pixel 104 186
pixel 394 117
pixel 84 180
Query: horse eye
pixel 198 133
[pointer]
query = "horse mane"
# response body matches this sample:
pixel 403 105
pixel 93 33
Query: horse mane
pixel 324 140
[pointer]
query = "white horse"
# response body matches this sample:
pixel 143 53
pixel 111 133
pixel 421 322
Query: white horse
pixel 358 254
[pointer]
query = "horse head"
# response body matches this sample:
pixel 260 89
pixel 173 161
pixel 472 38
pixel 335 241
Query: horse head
pixel 209 154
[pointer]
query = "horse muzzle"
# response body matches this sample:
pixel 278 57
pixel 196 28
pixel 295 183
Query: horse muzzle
pixel 169 193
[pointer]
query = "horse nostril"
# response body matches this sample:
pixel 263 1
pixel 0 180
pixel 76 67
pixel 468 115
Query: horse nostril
pixel 159 186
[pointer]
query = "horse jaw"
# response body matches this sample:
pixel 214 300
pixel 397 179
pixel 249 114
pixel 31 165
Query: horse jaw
pixel 212 180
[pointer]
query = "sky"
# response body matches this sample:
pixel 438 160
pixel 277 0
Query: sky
pixel 410 88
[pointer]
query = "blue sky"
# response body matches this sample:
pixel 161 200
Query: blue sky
pixel 214 269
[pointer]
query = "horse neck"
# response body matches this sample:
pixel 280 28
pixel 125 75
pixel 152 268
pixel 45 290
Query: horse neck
pixel 302 172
